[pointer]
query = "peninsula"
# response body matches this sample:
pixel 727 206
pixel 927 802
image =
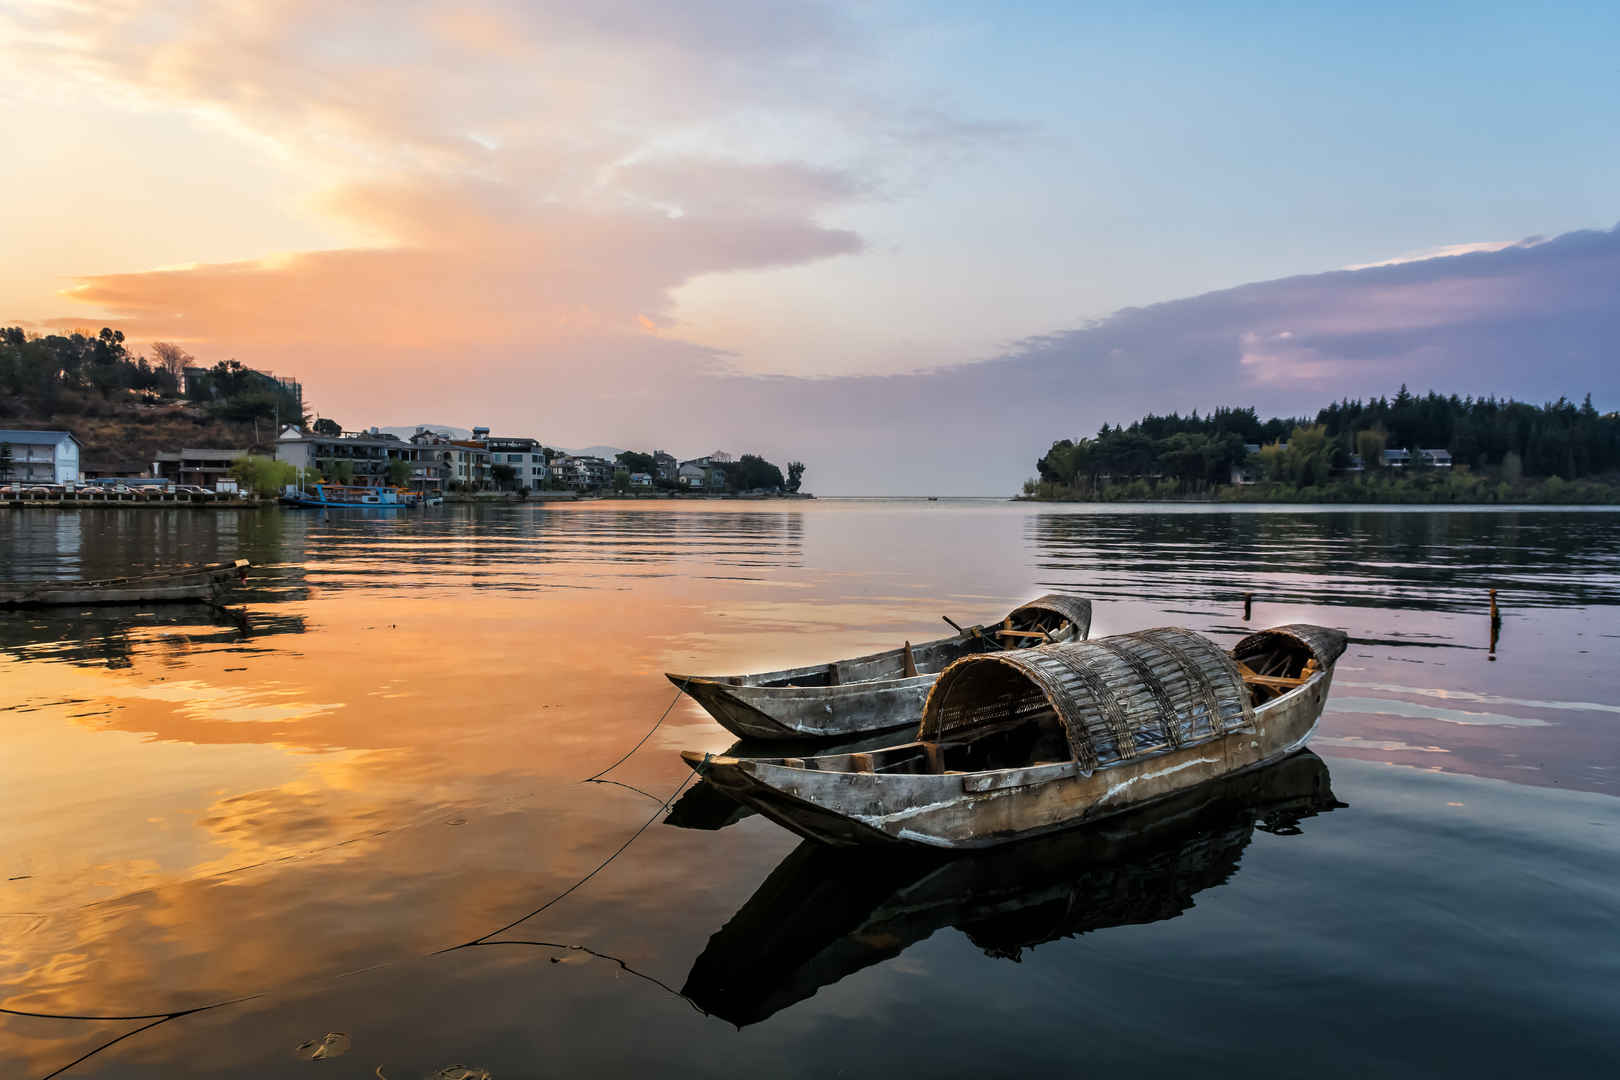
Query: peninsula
pixel 1404 449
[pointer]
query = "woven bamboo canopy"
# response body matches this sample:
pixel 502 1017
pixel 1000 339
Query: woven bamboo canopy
pixel 1055 608
pixel 1325 645
pixel 1116 698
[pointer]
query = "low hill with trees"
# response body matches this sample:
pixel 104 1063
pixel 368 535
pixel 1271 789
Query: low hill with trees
pixel 750 472
pixel 1499 451
pixel 125 407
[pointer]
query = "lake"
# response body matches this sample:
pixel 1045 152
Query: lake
pixel 355 805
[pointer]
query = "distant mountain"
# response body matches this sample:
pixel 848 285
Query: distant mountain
pixel 449 429
pixel 609 452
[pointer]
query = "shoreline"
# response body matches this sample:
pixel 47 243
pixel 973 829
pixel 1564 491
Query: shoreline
pixel 174 502
pixel 1299 501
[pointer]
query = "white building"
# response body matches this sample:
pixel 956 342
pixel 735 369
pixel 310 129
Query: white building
pixel 39 457
pixel 525 457
pixel 641 480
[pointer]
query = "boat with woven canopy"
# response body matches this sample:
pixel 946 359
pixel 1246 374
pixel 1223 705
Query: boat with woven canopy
pixel 1017 743
pixel 873 693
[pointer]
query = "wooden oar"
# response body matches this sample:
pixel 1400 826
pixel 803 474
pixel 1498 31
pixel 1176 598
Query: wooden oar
pixel 975 631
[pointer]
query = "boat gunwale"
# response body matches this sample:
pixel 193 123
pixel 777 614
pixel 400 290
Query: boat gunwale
pixel 759 679
pixel 1260 711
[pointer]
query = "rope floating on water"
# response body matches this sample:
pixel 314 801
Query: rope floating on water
pixel 156 1019
pixel 681 689
pixel 484 939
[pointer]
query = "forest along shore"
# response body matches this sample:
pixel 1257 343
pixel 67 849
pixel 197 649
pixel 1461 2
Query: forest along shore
pixel 1405 449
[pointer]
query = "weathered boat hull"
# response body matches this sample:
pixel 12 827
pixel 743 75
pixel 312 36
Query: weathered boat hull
pixel 815 712
pixel 825 913
pixel 980 810
pixel 864 694
pixel 200 585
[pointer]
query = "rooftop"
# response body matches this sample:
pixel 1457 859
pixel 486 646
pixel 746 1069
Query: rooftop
pixel 19 435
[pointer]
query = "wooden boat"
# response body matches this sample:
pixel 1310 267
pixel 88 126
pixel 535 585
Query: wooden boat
pixel 1018 743
pixel 825 913
pixel 871 693
pixel 703 806
pixel 191 583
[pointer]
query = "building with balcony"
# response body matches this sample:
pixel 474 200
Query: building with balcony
pixel 366 455
pixel 201 468
pixel 583 472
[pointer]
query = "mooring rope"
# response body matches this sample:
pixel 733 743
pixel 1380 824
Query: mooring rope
pixel 155 1019
pixel 599 868
pixel 679 690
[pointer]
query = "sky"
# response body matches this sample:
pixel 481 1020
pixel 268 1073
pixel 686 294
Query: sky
pixel 907 244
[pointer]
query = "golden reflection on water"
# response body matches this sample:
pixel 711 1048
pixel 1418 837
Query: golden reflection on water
pixel 383 758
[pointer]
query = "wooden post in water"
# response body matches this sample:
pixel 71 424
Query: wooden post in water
pixel 1248 605
pixel 1496 626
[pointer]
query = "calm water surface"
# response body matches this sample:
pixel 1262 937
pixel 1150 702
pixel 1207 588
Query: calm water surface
pixel 306 808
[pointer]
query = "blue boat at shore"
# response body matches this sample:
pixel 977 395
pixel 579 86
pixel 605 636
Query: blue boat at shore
pixel 344 496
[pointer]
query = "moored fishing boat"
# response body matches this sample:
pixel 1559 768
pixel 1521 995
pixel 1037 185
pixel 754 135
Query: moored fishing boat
pixel 879 692
pixel 825 913
pixel 1018 743
pixel 191 583
pixel 344 496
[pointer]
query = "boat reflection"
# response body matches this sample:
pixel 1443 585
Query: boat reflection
pixel 825 913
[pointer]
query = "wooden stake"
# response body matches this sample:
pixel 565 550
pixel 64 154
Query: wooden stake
pixel 1248 605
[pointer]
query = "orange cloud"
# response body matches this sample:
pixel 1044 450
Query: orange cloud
pixel 466 272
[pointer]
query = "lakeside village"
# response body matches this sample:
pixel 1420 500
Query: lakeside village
pixel 330 465
pixel 83 421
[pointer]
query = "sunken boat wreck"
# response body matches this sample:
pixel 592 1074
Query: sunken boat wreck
pixel 880 692
pixel 825 913
pixel 206 583
pixel 1014 744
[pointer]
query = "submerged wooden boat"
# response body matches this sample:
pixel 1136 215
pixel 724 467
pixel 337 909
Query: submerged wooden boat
pixel 191 583
pixel 879 692
pixel 825 913
pixel 1018 743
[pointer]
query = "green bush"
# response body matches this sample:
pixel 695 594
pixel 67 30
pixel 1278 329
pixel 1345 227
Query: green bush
pixel 263 476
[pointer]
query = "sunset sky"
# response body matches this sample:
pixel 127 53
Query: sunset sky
pixel 909 244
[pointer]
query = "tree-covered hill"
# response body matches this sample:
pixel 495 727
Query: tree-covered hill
pixel 123 407
pixel 1495 445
